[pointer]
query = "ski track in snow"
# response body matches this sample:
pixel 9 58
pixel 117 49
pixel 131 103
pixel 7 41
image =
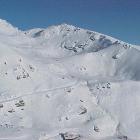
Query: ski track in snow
pixel 39 92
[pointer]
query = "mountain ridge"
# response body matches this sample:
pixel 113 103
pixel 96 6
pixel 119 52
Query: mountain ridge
pixel 67 83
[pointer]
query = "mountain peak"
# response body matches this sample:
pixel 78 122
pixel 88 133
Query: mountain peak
pixel 4 22
pixel 7 28
pixel 59 82
pixel 66 25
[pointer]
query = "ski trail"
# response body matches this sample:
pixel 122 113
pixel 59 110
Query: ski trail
pixel 39 92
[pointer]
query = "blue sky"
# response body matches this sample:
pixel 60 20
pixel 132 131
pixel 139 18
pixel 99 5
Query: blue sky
pixel 117 18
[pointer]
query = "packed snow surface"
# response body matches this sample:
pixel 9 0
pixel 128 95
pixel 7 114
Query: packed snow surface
pixel 67 83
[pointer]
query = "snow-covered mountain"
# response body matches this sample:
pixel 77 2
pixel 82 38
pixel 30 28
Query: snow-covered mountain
pixel 67 83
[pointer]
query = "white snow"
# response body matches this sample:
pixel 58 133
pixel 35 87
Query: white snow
pixel 67 83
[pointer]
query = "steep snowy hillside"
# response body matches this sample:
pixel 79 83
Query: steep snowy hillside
pixel 67 83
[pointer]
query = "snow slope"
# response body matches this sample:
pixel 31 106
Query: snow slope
pixel 67 83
